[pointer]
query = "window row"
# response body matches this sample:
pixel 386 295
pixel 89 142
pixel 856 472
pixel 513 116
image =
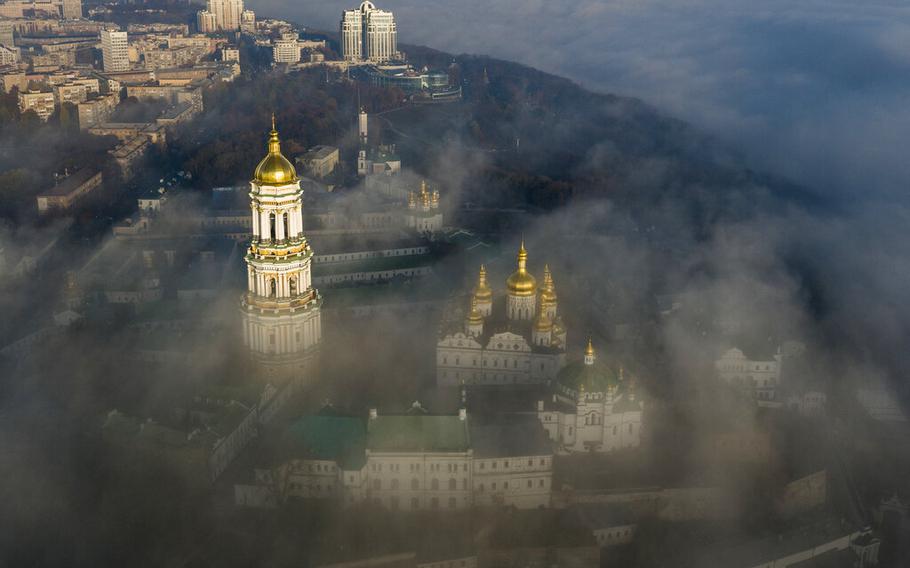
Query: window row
pixel 395 485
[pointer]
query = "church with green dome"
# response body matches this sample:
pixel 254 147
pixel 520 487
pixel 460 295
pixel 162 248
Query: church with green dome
pixel 594 408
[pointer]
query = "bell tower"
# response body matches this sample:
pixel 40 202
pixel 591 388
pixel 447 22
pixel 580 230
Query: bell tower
pixel 282 326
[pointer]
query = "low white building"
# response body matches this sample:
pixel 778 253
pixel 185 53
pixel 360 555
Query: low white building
pixel 594 408
pixel 409 462
pixel 611 524
pixel 758 377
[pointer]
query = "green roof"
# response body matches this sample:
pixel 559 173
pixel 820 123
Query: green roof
pixel 414 433
pixel 323 437
pixel 595 378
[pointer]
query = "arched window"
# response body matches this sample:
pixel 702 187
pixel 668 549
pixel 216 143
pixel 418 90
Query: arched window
pixel 273 288
pixel 415 485
pixel 434 485
pixel 394 484
pixel 287 226
pixel 272 225
pixel 292 285
pixel 452 484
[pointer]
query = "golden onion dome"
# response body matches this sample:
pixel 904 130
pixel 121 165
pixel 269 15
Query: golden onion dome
pixel 483 292
pixel 275 169
pixel 474 317
pixel 548 290
pixel 521 283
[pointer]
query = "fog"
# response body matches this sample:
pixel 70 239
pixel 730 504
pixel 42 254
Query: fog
pixel 768 81
pixel 812 90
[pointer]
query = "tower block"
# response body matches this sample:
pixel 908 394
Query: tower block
pixel 282 320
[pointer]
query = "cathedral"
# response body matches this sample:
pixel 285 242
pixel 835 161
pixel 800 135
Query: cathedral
pixel 282 321
pixel 518 339
pixel 593 408
pixel 423 214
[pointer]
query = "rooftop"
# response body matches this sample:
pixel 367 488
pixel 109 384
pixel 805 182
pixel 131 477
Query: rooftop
pixel 72 182
pixel 418 433
pixel 325 437
pixel 515 435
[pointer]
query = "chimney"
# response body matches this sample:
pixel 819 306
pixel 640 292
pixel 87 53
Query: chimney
pixel 462 414
pixel 373 414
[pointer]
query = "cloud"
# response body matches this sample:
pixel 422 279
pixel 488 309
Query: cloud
pixel 812 90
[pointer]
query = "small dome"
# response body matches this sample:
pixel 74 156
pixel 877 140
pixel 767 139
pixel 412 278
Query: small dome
pixel 521 282
pixel 482 291
pixel 474 316
pixel 548 290
pixel 275 169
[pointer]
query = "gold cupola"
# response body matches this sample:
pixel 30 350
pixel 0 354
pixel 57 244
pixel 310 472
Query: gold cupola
pixel 521 283
pixel 548 290
pixel 474 316
pixel 483 292
pixel 275 169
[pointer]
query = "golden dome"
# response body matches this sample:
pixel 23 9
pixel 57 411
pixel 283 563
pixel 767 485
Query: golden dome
pixel 548 290
pixel 275 169
pixel 521 283
pixel 483 292
pixel 474 318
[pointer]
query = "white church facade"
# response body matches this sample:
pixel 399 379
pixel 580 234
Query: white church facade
pixel 593 409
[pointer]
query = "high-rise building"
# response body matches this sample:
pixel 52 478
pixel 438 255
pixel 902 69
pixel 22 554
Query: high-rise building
pixel 233 9
pixel 369 34
pixel 286 49
pixel 226 15
pixel 248 22
pixel 115 51
pixel 205 21
pixel 281 308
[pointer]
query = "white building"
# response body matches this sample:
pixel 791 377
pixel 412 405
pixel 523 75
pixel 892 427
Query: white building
pixel 423 214
pixel 759 377
pixel 286 49
pixel 521 340
pixel 594 408
pixel 115 51
pixel 376 160
pixel 248 22
pixel 409 462
pixel 369 34
pixel 282 309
